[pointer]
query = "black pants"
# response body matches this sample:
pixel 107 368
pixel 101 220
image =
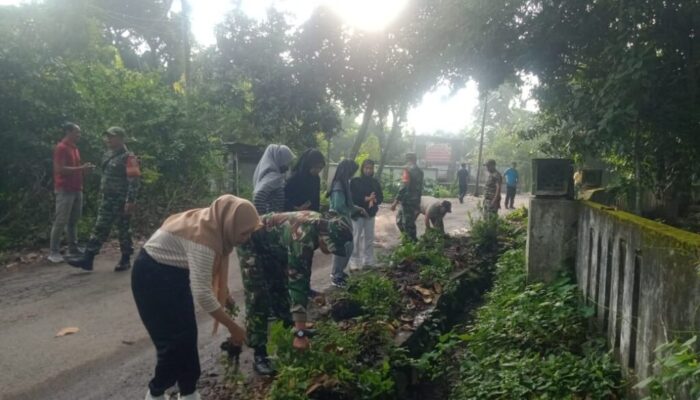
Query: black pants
pixel 510 196
pixel 462 192
pixel 164 300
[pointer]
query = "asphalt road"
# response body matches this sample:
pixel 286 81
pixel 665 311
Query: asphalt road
pixel 111 356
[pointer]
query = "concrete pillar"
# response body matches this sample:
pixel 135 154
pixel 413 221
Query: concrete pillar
pixel 551 238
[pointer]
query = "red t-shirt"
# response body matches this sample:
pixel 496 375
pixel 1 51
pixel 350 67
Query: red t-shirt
pixel 67 155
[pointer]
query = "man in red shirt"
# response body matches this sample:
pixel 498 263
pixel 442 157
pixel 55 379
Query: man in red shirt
pixel 68 187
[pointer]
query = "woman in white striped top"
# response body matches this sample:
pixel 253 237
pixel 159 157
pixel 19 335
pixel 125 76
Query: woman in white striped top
pixel 186 260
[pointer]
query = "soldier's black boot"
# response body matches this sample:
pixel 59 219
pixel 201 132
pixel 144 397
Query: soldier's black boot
pixel 124 263
pixel 262 364
pixel 84 261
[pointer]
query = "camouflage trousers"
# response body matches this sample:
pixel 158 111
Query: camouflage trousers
pixel 111 213
pixel 406 221
pixel 266 294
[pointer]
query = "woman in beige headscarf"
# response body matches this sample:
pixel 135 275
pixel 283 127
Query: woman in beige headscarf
pixel 186 260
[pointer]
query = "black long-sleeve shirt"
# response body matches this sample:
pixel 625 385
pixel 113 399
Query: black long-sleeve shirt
pixel 362 187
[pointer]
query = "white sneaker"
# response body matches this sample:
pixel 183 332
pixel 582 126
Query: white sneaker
pixel 149 396
pixel 193 396
pixel 55 258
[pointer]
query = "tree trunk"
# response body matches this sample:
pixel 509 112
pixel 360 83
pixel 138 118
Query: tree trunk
pixel 481 145
pixel 186 41
pixel 362 132
pixel 396 121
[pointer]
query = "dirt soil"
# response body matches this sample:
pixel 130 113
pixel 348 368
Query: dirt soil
pixel 111 356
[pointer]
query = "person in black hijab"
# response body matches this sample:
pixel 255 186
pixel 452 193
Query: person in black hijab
pixel 303 188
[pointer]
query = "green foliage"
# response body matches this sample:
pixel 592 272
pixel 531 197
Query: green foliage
pixel 438 190
pixel 390 187
pixel 428 255
pixel 340 363
pixel 484 231
pixel 529 341
pixel 375 293
pixel 678 366
pixel 99 63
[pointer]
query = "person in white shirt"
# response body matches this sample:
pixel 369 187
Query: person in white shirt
pixel 186 261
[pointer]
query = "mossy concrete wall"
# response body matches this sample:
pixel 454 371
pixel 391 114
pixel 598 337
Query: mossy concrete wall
pixel 643 280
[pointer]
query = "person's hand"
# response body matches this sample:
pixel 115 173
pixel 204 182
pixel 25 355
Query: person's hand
pixel 129 208
pixel 237 335
pixel 301 343
pixel 88 166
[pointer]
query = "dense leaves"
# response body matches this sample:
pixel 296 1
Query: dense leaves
pixel 530 341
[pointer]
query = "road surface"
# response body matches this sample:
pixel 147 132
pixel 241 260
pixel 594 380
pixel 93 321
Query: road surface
pixel 111 356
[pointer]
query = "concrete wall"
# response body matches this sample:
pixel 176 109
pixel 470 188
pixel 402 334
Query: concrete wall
pixel 642 279
pixel 551 239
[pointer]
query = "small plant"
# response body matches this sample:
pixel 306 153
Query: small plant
pixel 376 294
pixel 679 371
pixel 427 254
pixel 340 364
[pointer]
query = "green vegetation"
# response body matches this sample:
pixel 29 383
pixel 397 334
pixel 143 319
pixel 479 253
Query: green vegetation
pixel 530 341
pixel 376 295
pixel 427 255
pixel 347 363
pixel 679 370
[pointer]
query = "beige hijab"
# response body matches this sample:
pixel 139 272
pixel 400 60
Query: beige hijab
pixel 221 226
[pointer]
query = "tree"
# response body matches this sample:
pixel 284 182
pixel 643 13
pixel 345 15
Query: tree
pixel 287 104
pixel 618 79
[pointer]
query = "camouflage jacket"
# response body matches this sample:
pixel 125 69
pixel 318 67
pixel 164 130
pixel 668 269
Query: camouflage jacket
pixel 286 240
pixel 411 187
pixel 120 174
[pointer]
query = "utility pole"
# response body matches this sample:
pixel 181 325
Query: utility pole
pixel 481 145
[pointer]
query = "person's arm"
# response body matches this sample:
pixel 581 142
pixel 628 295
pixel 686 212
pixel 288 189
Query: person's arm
pixel 59 164
pixel 338 202
pixel 497 196
pixel 403 190
pixel 133 178
pixel 260 198
pixel 201 264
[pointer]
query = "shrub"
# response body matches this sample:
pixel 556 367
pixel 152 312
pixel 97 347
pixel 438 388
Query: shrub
pixel 529 341
pixel 376 294
pixel 679 371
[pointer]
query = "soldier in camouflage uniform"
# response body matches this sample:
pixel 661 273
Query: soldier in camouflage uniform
pixel 119 185
pixel 409 197
pixel 276 272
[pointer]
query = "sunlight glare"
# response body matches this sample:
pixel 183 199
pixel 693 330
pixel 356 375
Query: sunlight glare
pixel 369 15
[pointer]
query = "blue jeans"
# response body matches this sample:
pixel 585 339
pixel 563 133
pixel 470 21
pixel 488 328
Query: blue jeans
pixel 340 263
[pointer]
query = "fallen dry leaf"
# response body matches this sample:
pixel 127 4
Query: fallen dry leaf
pixel 67 331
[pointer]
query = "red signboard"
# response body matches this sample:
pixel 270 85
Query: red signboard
pixel 438 154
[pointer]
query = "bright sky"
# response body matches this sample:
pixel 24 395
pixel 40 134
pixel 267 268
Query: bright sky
pixel 439 110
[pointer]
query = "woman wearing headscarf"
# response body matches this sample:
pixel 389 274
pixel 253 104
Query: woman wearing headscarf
pixel 341 203
pixel 303 188
pixel 184 261
pixel 268 178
